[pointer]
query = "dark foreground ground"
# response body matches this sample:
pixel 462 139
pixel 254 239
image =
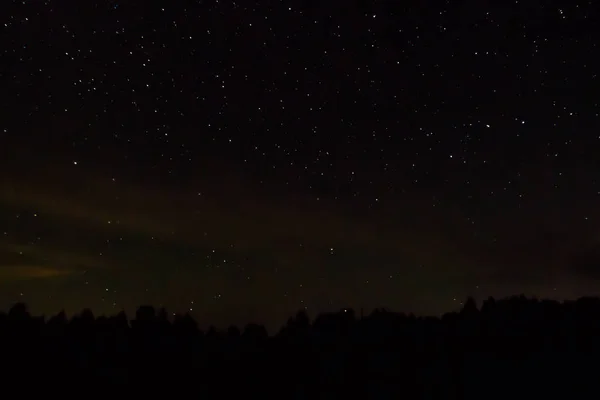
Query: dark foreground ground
pixel 512 348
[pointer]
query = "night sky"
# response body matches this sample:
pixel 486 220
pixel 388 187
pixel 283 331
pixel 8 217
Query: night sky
pixel 244 160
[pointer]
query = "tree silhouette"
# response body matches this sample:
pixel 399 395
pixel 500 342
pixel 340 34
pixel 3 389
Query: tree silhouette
pixel 529 345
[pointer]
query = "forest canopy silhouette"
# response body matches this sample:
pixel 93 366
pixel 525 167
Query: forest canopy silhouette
pixel 514 344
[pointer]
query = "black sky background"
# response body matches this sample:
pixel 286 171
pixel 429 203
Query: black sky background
pixel 245 160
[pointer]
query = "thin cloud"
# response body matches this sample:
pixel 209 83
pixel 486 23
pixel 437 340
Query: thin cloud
pixel 24 272
pixel 44 254
pixel 249 223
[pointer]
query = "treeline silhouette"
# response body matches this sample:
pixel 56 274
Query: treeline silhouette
pixel 511 348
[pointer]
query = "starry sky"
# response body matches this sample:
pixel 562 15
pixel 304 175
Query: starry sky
pixel 244 160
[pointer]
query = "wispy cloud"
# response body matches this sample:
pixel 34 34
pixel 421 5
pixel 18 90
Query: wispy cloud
pixel 22 272
pixel 249 222
pixel 253 228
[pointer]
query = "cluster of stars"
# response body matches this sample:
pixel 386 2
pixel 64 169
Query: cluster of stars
pixel 472 109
